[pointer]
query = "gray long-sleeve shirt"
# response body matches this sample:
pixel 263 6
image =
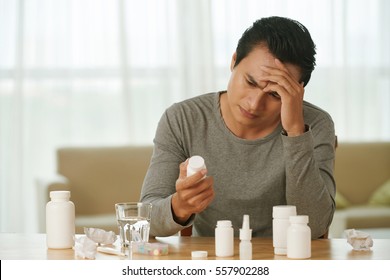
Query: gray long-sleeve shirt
pixel 250 176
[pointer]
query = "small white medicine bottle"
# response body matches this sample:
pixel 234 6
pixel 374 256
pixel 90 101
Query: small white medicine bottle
pixel 224 239
pixel 195 164
pixel 60 221
pixel 299 238
pixel 245 237
pixel 280 224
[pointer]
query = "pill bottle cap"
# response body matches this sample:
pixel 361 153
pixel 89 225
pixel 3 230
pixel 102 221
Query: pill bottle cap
pixel 284 211
pixel 245 231
pixel 196 162
pixel 300 219
pixel 199 254
pixel 60 194
pixel 224 223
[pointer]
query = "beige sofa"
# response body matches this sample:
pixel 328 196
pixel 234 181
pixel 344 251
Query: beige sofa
pixel 100 177
pixel 362 173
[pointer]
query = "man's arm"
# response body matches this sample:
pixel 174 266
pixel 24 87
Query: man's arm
pixel 175 197
pixel 309 175
pixel 308 152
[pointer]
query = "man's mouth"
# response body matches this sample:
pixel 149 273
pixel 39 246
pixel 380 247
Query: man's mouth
pixel 246 114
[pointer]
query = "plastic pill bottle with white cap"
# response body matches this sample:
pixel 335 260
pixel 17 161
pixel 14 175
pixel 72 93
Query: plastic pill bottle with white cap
pixel 60 221
pixel 224 239
pixel 195 164
pixel 280 224
pixel 299 238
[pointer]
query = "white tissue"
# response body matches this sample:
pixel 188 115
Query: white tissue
pixel 100 236
pixel 85 248
pixel 359 240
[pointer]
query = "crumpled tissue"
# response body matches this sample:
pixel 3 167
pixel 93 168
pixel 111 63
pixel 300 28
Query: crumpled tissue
pixel 85 248
pixel 359 240
pixel 100 236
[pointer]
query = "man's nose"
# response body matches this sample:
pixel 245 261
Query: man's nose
pixel 256 100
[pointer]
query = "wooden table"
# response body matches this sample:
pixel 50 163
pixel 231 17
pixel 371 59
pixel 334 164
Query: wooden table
pixel 15 246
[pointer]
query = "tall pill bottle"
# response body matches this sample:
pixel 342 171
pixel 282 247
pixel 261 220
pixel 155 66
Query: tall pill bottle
pixel 60 221
pixel 280 224
pixel 299 238
pixel 224 239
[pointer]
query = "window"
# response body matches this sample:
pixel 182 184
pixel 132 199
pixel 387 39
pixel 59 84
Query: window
pixel 101 72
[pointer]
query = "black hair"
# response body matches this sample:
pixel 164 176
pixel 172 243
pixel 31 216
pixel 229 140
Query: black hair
pixel 287 39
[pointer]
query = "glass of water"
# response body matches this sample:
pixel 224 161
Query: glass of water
pixel 133 220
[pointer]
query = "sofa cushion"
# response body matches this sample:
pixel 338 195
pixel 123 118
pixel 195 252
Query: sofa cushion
pixel 99 177
pixel 365 216
pixel 360 168
pixel 359 217
pixel 381 196
pixel 341 201
pixel 103 221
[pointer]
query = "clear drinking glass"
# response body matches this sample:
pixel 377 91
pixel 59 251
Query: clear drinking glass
pixel 133 220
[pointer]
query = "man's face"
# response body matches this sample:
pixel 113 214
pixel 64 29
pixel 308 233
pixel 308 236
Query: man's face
pixel 249 107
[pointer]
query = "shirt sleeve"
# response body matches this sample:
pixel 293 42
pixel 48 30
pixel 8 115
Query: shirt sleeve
pixel 160 180
pixel 310 184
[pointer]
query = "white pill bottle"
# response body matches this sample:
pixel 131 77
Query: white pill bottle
pixel 60 221
pixel 280 224
pixel 299 238
pixel 224 239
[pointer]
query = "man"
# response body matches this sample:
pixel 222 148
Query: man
pixel 262 144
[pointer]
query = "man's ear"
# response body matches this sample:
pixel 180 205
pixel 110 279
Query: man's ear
pixel 234 57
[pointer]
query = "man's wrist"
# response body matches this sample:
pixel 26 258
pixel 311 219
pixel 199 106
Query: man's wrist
pixel 179 218
pixel 295 133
